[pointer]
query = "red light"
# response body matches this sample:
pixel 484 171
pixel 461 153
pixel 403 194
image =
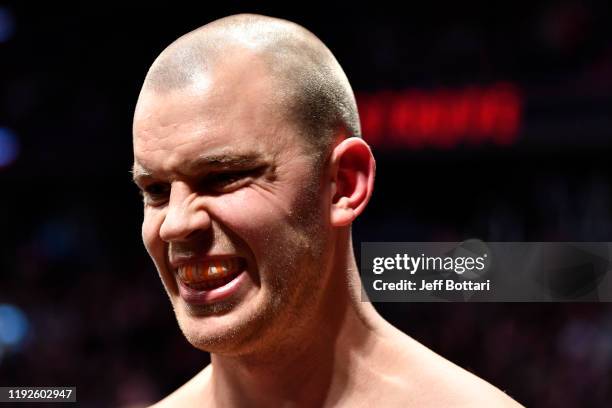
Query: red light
pixel 372 113
pixel 442 119
pixel 403 117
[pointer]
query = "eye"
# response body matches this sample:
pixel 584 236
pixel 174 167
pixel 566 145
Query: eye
pixel 229 180
pixel 156 193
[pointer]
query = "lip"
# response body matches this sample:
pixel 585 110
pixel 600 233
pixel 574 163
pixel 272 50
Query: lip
pixel 208 296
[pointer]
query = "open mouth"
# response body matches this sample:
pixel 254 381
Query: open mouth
pixel 211 274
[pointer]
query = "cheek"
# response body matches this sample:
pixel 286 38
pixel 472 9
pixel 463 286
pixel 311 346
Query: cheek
pixel 150 234
pixel 256 215
pixel 277 226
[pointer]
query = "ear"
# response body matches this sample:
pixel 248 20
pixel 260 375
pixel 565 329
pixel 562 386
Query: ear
pixel 353 168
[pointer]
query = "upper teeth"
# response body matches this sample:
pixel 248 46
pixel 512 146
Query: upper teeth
pixel 202 271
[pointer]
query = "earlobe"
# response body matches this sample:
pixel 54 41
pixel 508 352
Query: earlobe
pixel 353 170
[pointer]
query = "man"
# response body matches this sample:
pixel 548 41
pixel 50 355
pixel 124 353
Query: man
pixel 247 151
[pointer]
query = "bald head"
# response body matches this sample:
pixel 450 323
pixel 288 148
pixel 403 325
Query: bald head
pixel 311 87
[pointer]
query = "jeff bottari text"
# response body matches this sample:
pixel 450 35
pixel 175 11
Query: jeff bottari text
pixel 434 285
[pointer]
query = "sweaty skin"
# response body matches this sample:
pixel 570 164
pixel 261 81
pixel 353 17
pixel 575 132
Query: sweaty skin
pixel 226 174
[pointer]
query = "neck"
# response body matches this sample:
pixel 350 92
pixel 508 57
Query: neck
pixel 320 365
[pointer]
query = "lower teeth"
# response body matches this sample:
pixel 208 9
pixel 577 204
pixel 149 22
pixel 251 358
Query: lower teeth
pixel 211 284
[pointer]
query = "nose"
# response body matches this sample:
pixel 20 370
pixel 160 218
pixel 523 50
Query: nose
pixel 185 214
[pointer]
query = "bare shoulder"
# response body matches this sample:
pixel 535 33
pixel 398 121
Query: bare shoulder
pixel 460 388
pixel 426 379
pixel 187 394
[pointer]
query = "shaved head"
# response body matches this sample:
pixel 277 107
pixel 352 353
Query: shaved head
pixel 312 89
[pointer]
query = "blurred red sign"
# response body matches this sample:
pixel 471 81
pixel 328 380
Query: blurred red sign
pixel 441 118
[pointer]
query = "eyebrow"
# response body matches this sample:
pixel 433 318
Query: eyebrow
pixel 139 172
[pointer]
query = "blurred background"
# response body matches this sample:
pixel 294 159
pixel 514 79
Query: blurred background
pixel 488 120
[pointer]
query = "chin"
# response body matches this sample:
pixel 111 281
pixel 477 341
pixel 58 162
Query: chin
pixel 222 327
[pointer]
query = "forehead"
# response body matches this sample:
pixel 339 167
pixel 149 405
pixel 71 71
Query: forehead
pixel 234 110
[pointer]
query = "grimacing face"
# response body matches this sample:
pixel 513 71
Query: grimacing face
pixel 226 178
